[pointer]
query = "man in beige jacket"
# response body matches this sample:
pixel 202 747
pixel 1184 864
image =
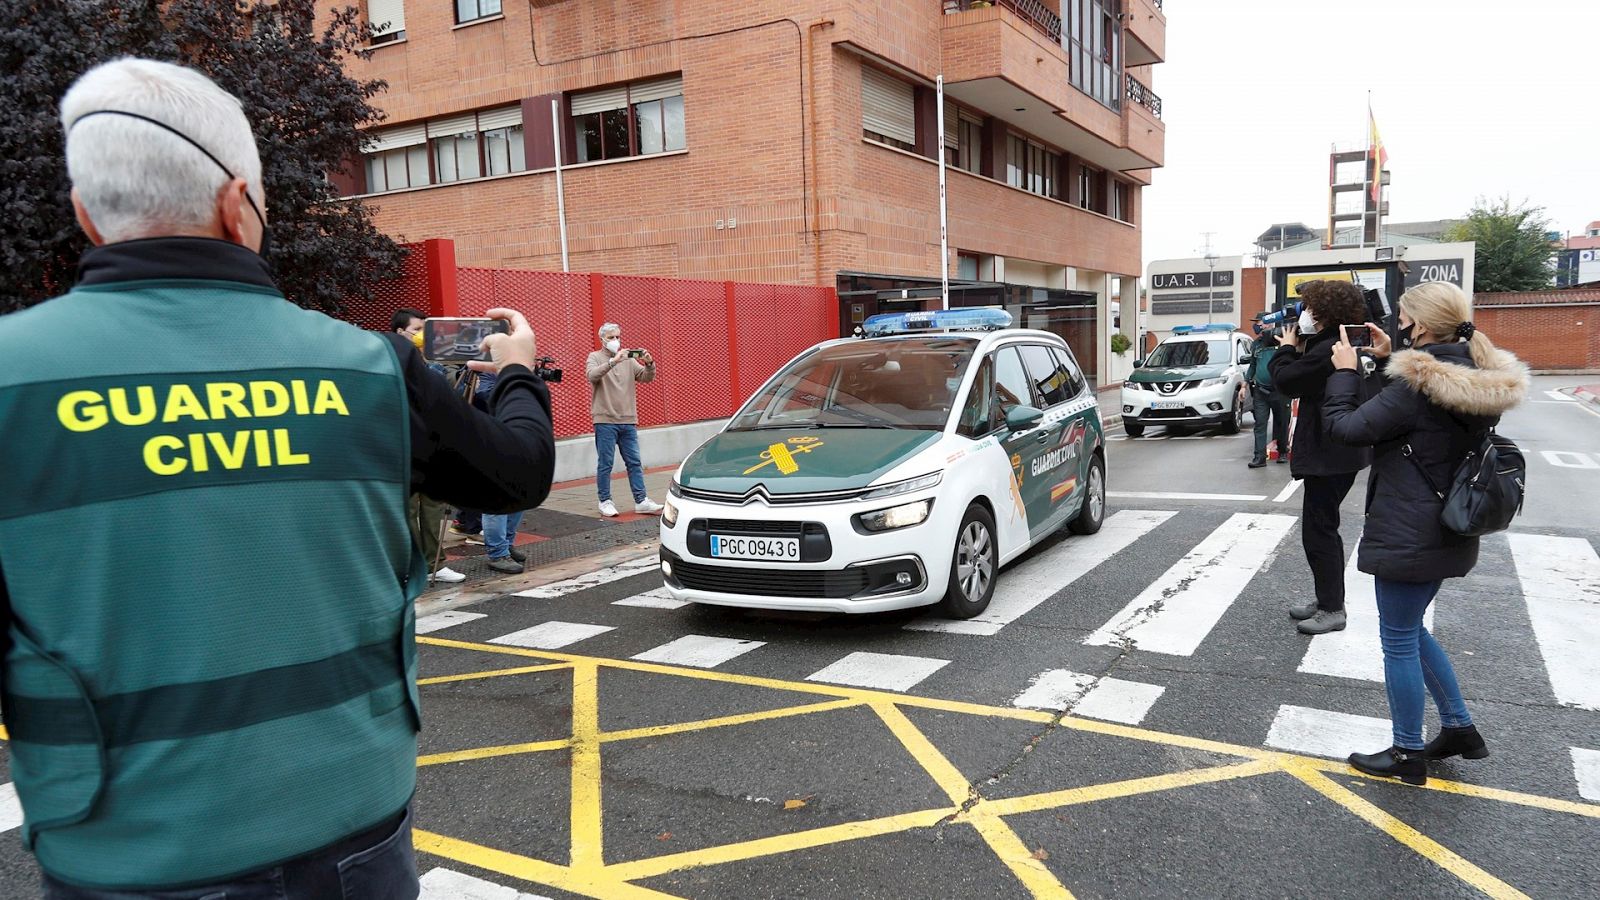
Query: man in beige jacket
pixel 614 374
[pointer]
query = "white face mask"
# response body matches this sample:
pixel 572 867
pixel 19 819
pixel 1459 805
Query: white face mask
pixel 613 344
pixel 1308 325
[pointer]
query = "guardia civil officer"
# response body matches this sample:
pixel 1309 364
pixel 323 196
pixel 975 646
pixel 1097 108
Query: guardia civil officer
pixel 216 693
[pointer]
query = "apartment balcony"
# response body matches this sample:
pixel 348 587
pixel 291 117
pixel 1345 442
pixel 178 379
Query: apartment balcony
pixel 1146 32
pixel 1144 132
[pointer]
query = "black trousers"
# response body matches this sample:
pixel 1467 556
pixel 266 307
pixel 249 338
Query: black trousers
pixel 1319 534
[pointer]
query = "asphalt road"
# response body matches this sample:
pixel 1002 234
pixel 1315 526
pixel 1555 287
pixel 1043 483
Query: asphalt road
pixel 1134 717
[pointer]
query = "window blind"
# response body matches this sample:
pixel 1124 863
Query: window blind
pixel 386 16
pixel 452 125
pixel 504 117
pixel 600 101
pixel 888 106
pixel 659 89
pixel 395 138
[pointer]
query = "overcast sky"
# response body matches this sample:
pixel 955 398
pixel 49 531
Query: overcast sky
pixel 1473 97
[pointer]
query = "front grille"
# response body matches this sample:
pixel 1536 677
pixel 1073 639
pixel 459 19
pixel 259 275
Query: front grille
pixel 1170 414
pixel 770 582
pixel 753 526
pixel 1168 388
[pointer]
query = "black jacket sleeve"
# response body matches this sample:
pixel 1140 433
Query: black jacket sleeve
pixel 1303 372
pixel 1390 415
pixel 497 462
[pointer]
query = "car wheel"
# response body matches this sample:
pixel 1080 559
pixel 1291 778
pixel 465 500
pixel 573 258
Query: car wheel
pixel 1132 428
pixel 1235 422
pixel 974 563
pixel 1093 512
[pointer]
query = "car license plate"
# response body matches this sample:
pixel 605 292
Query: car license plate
pixel 778 549
pixel 1166 404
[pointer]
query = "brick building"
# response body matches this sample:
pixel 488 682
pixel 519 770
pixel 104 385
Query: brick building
pixel 791 142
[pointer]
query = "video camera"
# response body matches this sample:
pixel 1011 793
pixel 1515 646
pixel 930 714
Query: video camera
pixel 544 367
pixel 1277 317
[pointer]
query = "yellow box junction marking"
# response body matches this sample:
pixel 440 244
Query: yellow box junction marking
pixel 588 874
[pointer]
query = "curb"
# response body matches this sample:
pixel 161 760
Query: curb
pixel 1589 393
pixel 436 601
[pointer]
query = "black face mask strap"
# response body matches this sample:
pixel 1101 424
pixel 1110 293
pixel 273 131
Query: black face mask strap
pixel 186 139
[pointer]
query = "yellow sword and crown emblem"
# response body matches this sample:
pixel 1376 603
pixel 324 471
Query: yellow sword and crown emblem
pixel 782 455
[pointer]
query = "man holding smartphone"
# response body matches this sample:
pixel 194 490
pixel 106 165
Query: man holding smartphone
pixel 614 374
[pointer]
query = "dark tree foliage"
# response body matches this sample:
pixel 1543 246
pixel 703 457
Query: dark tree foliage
pixel 1513 245
pixel 307 113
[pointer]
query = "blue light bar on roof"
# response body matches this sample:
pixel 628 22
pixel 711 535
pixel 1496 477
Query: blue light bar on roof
pixel 939 320
pixel 1198 329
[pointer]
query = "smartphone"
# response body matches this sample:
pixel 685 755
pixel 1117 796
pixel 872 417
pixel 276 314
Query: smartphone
pixel 1358 336
pixel 635 354
pixel 458 340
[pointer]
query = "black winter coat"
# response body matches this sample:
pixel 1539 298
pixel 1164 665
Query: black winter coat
pixel 1303 375
pixel 1434 401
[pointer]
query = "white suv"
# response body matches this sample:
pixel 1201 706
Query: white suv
pixel 1194 378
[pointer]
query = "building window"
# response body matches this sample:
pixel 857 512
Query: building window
pixel 888 109
pixel 1091 189
pixel 1122 200
pixel 472 10
pixel 636 119
pixel 1031 166
pixel 1093 41
pixel 397 158
pixel 388 20
pixel 963 140
pixel 440 151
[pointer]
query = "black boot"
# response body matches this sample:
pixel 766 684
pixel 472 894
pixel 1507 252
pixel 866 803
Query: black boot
pixel 1258 462
pixel 1406 765
pixel 1463 742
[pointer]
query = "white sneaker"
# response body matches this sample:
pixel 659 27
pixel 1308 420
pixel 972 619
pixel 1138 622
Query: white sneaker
pixel 447 575
pixel 647 507
pixel 608 509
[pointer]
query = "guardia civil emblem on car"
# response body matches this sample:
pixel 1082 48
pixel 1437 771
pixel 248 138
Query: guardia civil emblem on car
pixel 903 468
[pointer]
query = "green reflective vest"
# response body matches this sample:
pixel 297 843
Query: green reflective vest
pixel 211 659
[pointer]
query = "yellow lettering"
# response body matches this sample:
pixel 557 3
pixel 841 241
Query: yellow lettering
pixel 182 402
pixel 231 456
pixel 263 451
pixel 302 403
pixel 268 398
pixel 226 398
pixel 286 456
pixel 197 453
pixel 126 416
pixel 152 455
pixel 81 411
pixel 328 399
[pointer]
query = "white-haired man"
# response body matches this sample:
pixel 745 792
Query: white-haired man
pixel 615 373
pixel 228 709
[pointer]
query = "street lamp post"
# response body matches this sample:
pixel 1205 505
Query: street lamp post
pixel 1211 284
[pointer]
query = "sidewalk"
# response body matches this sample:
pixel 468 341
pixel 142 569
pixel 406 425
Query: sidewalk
pixel 1589 393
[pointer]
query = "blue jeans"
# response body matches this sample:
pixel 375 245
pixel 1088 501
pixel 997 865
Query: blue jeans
pixel 1274 406
pixel 607 440
pixel 1412 659
pixel 378 864
pixel 499 533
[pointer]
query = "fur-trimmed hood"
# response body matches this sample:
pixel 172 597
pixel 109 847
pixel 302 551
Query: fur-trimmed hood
pixel 1445 374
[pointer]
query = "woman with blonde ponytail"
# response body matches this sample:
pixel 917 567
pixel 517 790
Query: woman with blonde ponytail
pixel 1447 384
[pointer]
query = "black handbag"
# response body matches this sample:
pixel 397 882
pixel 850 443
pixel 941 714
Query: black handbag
pixel 1486 491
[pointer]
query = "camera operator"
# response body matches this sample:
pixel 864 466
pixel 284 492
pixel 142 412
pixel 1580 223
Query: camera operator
pixel 1266 402
pixel 615 373
pixel 212 709
pixel 1300 370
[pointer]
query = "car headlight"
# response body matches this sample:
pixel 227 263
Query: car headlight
pixel 903 516
pixel 672 488
pixel 921 482
pixel 1213 382
pixel 669 513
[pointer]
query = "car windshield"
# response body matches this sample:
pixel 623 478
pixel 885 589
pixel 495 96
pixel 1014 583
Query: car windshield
pixel 1174 354
pixel 904 383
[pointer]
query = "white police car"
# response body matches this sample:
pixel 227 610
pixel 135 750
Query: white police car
pixel 1193 378
pixel 900 469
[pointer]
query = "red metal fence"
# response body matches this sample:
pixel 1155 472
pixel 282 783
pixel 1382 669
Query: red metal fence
pixel 715 341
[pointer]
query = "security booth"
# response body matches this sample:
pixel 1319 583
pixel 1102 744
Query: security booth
pixel 1390 271
pixel 1068 314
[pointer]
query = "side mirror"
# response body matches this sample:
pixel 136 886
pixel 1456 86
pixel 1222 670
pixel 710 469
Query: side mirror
pixel 1138 362
pixel 1022 418
pixel 1247 359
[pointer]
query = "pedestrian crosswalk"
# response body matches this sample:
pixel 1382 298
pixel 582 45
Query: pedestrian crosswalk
pixel 1216 572
pixel 445 884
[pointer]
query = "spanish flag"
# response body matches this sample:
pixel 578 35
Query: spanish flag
pixel 1377 154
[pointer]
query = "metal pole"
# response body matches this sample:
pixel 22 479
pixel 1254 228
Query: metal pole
pixel 561 194
pixel 944 215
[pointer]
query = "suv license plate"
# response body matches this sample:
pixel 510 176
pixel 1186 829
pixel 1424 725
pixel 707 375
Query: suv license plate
pixel 1166 404
pixel 779 549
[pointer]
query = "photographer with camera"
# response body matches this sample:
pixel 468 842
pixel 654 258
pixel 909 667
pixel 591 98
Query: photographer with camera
pixel 615 373
pixel 1447 384
pixel 1266 402
pixel 213 710
pixel 1300 370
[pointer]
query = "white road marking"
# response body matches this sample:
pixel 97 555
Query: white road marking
pixel 1169 495
pixel 1559 397
pixel 443 884
pixel 883 671
pixel 442 620
pixel 1111 699
pixel 1175 614
pixel 1568 459
pixel 1586 767
pixel 656 599
pixel 699 651
pixel 1355 652
pixel 1288 491
pixel 551 635
pixel 10 808
pixel 1561 584
pixel 1323 733
pixel 593 579
pixel 1035 581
